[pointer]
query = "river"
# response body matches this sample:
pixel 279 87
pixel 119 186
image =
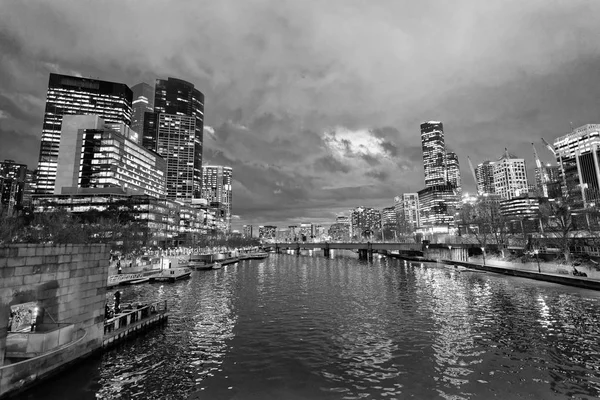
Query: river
pixel 307 327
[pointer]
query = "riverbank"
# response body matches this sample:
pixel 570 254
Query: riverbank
pixel 561 275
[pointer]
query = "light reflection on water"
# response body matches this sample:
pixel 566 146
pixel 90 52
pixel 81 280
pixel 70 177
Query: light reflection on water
pixel 308 327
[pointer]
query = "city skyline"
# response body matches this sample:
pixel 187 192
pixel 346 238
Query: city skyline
pixel 310 129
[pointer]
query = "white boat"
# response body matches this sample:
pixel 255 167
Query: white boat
pixel 216 266
pixel 171 275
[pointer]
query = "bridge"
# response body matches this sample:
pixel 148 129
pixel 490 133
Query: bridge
pixel 457 251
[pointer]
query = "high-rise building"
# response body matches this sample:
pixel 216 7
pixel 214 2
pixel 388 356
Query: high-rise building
pixel 93 154
pixel 510 177
pixel 485 178
pixel 389 218
pixel 175 131
pixel 76 95
pixel 143 102
pixel 453 171
pixel 216 187
pixel 247 231
pixel 407 209
pixel 578 152
pixel 364 220
pixel 437 206
pixel 434 153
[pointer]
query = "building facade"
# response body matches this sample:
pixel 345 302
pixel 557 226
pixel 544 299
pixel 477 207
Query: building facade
pixel 389 219
pixel 175 131
pixel 578 154
pixel 339 232
pixel 247 231
pixel 434 153
pixel 510 177
pixel 143 102
pixel 13 185
pixel 267 232
pixel 408 211
pixel 453 171
pixel 217 189
pixel 485 178
pixel 364 221
pixel 74 95
pixel 437 206
pixel 93 154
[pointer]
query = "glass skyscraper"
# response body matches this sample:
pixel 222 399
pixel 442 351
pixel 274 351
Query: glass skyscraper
pixel 216 188
pixel 143 102
pixel 76 95
pixel 434 153
pixel 175 131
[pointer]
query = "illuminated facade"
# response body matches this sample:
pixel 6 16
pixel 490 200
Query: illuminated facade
pixel 143 102
pixel 579 154
pixel 437 206
pixel 74 95
pixel 267 232
pixel 388 217
pixel 485 178
pixel 510 177
pixel 364 220
pixel 216 187
pixel 453 171
pixel 13 185
pixel 340 232
pixel 175 131
pixel 94 154
pixel 247 231
pixel 408 210
pixel 434 153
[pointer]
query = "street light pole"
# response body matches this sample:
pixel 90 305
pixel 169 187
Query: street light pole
pixel 536 251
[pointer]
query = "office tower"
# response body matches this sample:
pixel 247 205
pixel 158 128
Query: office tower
pixel 365 220
pixel 388 218
pixel 485 178
pixel 408 210
pixel 74 95
pixel 175 131
pixel 437 206
pixel 216 188
pixel 247 231
pixel 453 171
pixel 510 177
pixel 143 102
pixel 577 152
pixel 434 153
pixel 94 154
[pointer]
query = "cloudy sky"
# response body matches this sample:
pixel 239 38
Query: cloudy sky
pixel 317 104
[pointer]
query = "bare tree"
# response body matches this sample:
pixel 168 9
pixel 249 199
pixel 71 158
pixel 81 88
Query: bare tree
pixel 558 221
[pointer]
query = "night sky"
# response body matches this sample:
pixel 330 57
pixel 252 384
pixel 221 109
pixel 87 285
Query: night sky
pixel 317 104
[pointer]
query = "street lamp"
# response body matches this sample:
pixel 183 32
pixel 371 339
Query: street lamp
pixel 536 252
pixel 450 248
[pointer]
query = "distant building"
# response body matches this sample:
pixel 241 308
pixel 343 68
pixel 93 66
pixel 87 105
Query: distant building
pixel 453 171
pixel 389 219
pixel 217 189
pixel 485 178
pixel 340 231
pixel 93 154
pixel 13 181
pixel 75 95
pixel 408 210
pixel 434 153
pixel 437 206
pixel 175 131
pixel 578 152
pixel 510 177
pixel 143 102
pixel 267 232
pixel 365 220
pixel 247 231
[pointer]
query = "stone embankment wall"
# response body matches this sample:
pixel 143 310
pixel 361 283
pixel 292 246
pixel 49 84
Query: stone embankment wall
pixel 68 283
pixel 551 268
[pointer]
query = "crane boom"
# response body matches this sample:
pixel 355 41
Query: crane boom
pixel 473 172
pixel 560 164
pixel 549 146
pixel 538 163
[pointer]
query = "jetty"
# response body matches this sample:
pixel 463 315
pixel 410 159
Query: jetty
pixel 133 320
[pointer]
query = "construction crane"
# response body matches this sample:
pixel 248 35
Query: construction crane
pixel 560 163
pixel 474 173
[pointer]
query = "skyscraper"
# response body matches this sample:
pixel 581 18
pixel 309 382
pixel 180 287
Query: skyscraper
pixel 13 179
pixel 407 208
pixel 485 178
pixel 510 177
pixel 76 95
pixel 365 220
pixel 247 231
pixel 453 171
pixel 437 206
pixel 216 188
pixel 434 153
pixel 143 102
pixel 175 131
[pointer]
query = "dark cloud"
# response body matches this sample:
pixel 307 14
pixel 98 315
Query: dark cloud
pixel 315 113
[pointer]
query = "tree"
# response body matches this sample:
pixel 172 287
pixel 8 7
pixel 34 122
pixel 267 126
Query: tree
pixel 486 223
pixel 404 228
pixel 558 222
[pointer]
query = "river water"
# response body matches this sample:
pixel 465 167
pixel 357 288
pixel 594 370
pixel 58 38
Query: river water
pixel 308 327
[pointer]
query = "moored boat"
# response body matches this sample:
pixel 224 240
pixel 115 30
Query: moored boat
pixel 171 275
pixel 216 266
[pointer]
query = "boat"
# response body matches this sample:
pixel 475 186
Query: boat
pixel 171 274
pixel 216 266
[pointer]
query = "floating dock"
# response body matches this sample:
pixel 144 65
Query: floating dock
pixel 130 323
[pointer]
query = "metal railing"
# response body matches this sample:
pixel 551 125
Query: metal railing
pixel 132 315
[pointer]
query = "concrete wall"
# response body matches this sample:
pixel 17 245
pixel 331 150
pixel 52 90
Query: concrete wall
pixel 69 283
pixel 533 267
pixel 454 254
